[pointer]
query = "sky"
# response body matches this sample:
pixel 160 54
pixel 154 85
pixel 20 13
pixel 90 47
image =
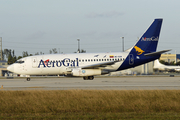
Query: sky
pixel 41 25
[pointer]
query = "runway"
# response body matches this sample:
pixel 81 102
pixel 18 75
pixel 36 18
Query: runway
pixel 99 83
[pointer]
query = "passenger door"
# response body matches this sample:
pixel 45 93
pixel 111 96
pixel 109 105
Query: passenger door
pixel 34 62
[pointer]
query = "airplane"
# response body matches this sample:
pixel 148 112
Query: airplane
pixel 160 67
pixel 88 65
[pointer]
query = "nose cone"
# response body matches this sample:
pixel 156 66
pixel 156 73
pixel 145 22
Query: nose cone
pixel 10 68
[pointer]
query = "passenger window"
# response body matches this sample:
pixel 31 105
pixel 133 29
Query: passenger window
pixel 99 59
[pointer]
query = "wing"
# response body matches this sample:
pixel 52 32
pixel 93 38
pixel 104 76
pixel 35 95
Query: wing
pixel 96 66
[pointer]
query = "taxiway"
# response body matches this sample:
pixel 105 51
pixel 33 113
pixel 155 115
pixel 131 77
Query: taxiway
pixel 99 83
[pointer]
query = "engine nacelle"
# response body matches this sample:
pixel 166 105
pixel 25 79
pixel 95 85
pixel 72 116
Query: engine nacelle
pixel 86 72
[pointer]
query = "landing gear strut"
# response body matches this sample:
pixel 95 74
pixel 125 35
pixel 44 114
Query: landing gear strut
pixel 28 79
pixel 88 77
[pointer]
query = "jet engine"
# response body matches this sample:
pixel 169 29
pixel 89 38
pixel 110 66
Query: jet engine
pixel 87 72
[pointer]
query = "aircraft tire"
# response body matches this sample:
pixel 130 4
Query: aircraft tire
pixel 85 78
pixel 28 79
pixel 88 77
pixel 91 77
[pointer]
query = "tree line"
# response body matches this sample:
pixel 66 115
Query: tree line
pixel 169 63
pixel 9 55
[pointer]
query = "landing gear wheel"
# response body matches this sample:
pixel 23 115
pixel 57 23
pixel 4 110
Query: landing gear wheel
pixel 91 77
pixel 28 79
pixel 88 77
pixel 85 78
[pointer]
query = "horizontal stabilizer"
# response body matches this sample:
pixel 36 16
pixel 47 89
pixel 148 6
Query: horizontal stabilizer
pixel 156 53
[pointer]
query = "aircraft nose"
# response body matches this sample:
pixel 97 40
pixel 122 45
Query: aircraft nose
pixel 10 68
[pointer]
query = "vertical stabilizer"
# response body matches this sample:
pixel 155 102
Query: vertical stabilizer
pixel 146 44
pixel 149 40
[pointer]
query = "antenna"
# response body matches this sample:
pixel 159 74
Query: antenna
pixel 78 46
pixel 123 44
pixel 1 47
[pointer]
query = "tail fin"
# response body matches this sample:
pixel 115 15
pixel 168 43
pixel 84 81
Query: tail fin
pixel 149 40
pixel 144 50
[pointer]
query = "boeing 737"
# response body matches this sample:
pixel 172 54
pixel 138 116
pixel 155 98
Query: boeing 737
pixel 88 65
pixel 160 67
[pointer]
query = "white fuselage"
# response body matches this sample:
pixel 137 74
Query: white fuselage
pixel 54 64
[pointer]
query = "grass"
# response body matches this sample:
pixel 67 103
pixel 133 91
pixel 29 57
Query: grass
pixel 90 104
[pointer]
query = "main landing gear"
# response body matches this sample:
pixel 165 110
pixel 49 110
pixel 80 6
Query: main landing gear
pixel 88 77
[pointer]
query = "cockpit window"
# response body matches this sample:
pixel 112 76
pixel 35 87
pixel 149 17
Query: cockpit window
pixel 20 61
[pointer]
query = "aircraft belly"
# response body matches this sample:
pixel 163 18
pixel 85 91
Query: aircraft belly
pixel 41 71
pixel 50 71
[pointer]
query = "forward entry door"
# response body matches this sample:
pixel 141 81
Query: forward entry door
pixel 34 62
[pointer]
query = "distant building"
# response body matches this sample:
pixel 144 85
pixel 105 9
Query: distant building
pixel 3 63
pixel 3 67
pixel 144 69
pixel 170 57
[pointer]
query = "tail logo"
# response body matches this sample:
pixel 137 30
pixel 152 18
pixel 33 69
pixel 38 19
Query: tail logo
pixel 138 50
pixel 150 39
